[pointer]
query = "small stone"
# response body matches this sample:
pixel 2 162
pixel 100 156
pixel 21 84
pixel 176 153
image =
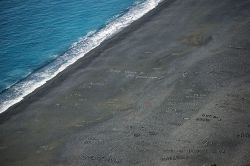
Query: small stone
pixel 137 135
pixel 152 133
pixel 209 165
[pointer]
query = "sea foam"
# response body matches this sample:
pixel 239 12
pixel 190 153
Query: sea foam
pixel 17 92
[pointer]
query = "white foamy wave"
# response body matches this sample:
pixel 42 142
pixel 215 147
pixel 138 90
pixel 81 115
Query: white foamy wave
pixel 93 39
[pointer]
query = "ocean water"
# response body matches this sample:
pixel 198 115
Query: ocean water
pixel 39 39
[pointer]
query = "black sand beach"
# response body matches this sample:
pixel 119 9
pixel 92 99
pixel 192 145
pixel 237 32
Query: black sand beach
pixel 172 89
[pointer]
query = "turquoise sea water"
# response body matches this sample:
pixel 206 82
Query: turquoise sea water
pixel 40 38
pixel 35 32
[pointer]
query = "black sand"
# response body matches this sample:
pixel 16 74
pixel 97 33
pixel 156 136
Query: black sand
pixel 171 89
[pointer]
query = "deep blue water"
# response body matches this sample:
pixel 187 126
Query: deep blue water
pixel 34 32
pixel 40 38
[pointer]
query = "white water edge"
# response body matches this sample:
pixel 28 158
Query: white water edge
pixel 17 92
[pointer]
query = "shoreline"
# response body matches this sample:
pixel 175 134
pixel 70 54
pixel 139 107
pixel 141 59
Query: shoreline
pixel 173 88
pixel 94 53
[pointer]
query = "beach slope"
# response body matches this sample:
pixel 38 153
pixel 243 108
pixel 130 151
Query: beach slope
pixel 171 89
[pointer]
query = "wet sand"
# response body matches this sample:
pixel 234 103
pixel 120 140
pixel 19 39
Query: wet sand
pixel 171 89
